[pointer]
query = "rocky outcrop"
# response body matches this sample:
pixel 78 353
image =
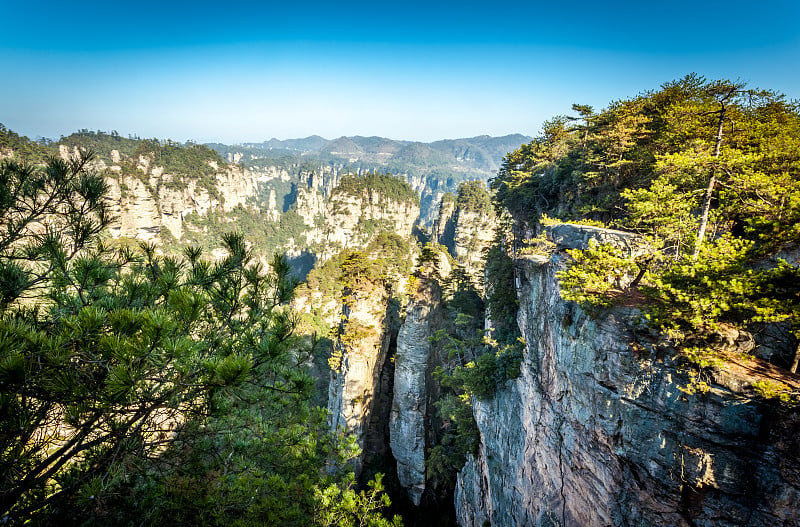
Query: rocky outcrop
pixel 359 357
pixel 474 233
pixel 572 236
pixel 415 389
pixel 407 427
pixel 596 430
pixel 444 227
pixel 351 221
pixel 310 205
pixel 467 234
pixel 152 203
pixel 135 208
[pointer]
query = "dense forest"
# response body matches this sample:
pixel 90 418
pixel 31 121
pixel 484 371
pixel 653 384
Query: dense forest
pixel 384 185
pixel 707 173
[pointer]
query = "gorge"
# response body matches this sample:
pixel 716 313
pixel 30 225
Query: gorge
pixel 555 347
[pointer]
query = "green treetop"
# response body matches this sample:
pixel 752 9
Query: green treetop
pixel 708 172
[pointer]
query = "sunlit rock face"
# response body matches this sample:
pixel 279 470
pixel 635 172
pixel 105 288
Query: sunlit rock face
pixel 474 233
pixel 151 203
pixel 596 432
pixel 467 235
pixel 351 221
pixel 362 349
pixel 410 406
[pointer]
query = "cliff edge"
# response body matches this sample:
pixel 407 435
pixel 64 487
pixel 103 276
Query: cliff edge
pixel 596 431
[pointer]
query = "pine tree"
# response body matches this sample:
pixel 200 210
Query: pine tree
pixel 128 379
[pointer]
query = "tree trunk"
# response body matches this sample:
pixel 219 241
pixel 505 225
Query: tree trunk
pixel 796 360
pixel 712 182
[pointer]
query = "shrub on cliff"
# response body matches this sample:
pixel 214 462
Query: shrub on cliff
pixel 474 197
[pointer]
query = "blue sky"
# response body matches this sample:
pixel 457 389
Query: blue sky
pixel 248 71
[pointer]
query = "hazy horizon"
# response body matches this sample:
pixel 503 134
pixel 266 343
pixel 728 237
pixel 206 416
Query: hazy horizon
pixel 249 71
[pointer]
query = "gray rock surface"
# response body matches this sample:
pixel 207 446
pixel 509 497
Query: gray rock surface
pixel 474 233
pixel 407 424
pixel 573 236
pixel 595 433
pixel 354 385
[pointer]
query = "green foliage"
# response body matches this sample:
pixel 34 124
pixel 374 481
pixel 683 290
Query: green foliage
pixel 431 253
pixel 537 246
pixel 769 389
pixel 50 214
pixel 359 272
pixel 102 144
pixel 142 388
pixel 22 149
pixel 458 439
pixel 482 377
pixel 259 460
pixel 189 159
pixel 348 508
pixel 707 172
pixel 448 197
pixel 501 295
pixel 182 161
pixel 473 197
pixel 697 295
pixel 394 251
pixel 595 275
pixel 592 168
pixel 265 234
pixel 385 186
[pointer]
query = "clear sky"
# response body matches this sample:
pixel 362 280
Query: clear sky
pixel 251 70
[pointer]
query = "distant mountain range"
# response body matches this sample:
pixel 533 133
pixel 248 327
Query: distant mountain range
pixel 481 155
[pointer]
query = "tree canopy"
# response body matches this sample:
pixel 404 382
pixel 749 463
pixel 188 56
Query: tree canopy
pixel 708 172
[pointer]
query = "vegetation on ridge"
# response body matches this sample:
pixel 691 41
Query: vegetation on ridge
pixel 473 197
pixel 386 186
pixel 22 149
pixel 708 173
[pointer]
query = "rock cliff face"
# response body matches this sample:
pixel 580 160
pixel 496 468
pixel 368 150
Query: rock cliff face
pixel 409 407
pixel 474 232
pixel 355 382
pixel 467 234
pixel 154 203
pixel 596 432
pixel 350 221
pixel 151 203
pixel 414 389
pixel 444 227
pixel 381 386
pixel 362 375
